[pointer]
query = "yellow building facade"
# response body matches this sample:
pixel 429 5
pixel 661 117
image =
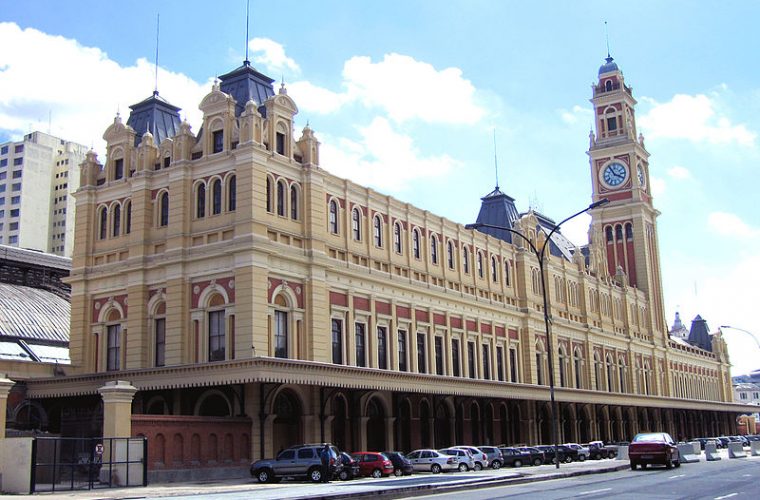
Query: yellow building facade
pixel 233 281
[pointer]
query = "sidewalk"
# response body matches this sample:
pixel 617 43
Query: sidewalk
pixel 395 486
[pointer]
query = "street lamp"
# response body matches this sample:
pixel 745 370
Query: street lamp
pixel 540 255
pixel 741 330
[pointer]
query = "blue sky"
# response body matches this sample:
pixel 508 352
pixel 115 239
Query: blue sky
pixel 405 95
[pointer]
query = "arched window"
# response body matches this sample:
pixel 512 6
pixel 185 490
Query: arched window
pixel 507 281
pixel 333 221
pixel 232 194
pixel 397 237
pixel 216 197
pixel 356 231
pixel 562 367
pixel 116 227
pixel 610 375
pixel 619 232
pixel 269 195
pixel 416 243
pixel 433 249
pixel 103 223
pixel 200 201
pixel 118 169
pixel 466 260
pixel 494 270
pixel 608 232
pixel 610 120
pixel 450 254
pixel 281 198
pixel 378 228
pixel 480 265
pixel 128 218
pixel 608 85
pixel 577 368
pixel 163 204
pixel 622 373
pixel 539 363
pixel 629 231
pixel 598 368
pixel 280 334
pixel 294 202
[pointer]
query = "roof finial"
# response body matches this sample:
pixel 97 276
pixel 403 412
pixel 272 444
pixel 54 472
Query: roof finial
pixel 495 160
pixel 158 24
pixel 607 37
pixel 247 9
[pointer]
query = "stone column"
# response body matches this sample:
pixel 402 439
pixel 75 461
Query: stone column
pixel 5 387
pixel 117 408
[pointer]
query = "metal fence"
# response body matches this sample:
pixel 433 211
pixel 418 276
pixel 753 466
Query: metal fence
pixel 66 464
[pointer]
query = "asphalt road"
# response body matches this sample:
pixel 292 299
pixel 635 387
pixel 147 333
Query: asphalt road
pixel 735 479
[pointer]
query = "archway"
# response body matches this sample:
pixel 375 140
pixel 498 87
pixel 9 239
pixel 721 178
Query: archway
pixel 442 426
pixel 568 424
pixel 375 425
pixel 584 424
pixel 424 424
pixel 286 428
pixel 513 427
pixel 603 423
pixel 475 426
pixel 544 424
pixel 488 425
pixel 214 404
pixel 405 426
pixel 459 425
pixel 340 422
pixel 503 425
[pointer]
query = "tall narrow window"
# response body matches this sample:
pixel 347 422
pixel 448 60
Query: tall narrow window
pixel 577 368
pixel 471 358
pixel 421 368
pixel 361 353
pixel 281 198
pixel 216 336
pixel 455 363
pixel 116 227
pixel 118 169
pixel 128 225
pixel 382 349
pixel 218 138
pixel 293 202
pixel 402 366
pixel 500 363
pixel 280 334
pixel 416 243
pixel 621 371
pixel 159 326
pixel 200 201
pixel 280 143
pixel 562 368
pixel 433 249
pixel 486 362
pixel 512 365
pixel 480 265
pixel 539 369
pixel 333 217
pixel 397 237
pixel 597 373
pixel 450 254
pixel 610 376
pixel 269 195
pixel 378 228
pixel 506 273
pixel 494 270
pixel 232 194
pixel 439 356
pixel 337 341
pixel 216 197
pixel 466 260
pixel 113 361
pixel 103 223
pixel 163 220
pixel 355 224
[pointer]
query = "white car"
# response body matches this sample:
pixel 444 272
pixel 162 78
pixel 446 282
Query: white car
pixel 432 461
pixel 481 459
pixel 464 458
pixel 583 452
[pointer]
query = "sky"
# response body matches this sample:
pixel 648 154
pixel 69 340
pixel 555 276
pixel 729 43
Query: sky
pixel 407 96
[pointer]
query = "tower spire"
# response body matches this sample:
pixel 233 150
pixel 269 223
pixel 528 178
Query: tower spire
pixel 247 24
pixel 495 160
pixel 607 38
pixel 155 77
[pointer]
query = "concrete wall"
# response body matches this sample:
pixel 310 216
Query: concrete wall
pixel 15 465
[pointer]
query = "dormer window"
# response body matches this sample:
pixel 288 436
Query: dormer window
pixel 218 145
pixel 118 169
pixel 608 85
pixel 280 143
pixel 167 161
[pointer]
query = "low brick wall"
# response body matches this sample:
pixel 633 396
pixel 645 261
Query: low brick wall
pixel 177 442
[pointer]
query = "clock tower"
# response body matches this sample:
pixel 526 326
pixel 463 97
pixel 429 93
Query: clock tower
pixel 620 172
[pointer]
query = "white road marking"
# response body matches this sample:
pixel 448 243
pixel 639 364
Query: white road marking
pixel 726 496
pixel 679 475
pixel 595 491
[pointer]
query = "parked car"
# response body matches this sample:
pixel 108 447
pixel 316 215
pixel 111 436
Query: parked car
pixel 299 462
pixel 481 459
pixel 536 455
pixel 348 468
pixel 723 440
pixel 401 464
pixel 566 455
pixel 603 451
pixel 495 460
pixel 464 458
pixel 432 461
pixel 583 452
pixel 653 448
pixel 373 463
pixel 515 457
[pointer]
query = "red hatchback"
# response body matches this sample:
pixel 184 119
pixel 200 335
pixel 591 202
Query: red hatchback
pixel 373 464
pixel 653 448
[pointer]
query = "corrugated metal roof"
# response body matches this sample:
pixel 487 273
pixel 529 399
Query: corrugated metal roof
pixel 34 314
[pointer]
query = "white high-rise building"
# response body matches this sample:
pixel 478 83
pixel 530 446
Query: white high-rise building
pixel 36 176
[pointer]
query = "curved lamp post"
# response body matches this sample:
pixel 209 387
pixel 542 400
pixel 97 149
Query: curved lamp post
pixel 741 330
pixel 541 255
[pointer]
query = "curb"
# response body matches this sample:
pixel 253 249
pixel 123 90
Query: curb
pixel 424 489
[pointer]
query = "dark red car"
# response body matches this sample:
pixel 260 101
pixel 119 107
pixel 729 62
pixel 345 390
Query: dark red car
pixel 373 464
pixel 653 448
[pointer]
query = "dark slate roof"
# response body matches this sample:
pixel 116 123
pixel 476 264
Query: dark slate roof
pixel 32 314
pixel 699 335
pixel 559 246
pixel 245 83
pixel 497 209
pixel 609 66
pixel 154 115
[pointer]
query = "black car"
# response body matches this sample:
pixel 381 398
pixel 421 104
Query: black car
pixel 597 451
pixel 348 468
pixel 401 464
pixel 566 454
pixel 515 457
pixel 536 455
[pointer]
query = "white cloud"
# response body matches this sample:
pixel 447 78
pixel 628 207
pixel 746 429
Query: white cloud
pixel 272 55
pixel 728 224
pixel 320 100
pixel 693 118
pixel 41 79
pixel 383 158
pixel 577 114
pixel 680 173
pixel 657 185
pixel 576 230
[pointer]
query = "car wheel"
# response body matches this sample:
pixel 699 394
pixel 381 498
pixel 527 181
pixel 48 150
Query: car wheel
pixel 517 463
pixel 264 476
pixel 581 458
pixel 435 468
pixel 633 466
pixel 612 454
pixel 668 464
pixel 643 466
pixel 343 475
pixel 315 474
pixel 463 467
pixel 677 463
pixel 477 466
pixel 537 462
pixel 568 459
pixel 377 473
pixel 398 472
pixel 496 464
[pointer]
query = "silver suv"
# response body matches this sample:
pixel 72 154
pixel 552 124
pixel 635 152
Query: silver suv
pixel 495 458
pixel 464 458
pixel 299 462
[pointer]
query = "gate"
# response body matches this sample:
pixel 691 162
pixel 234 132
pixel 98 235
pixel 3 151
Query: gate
pixel 66 464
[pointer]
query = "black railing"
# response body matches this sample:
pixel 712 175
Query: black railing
pixel 67 464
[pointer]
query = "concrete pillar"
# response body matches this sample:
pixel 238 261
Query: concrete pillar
pixel 5 387
pixel 117 408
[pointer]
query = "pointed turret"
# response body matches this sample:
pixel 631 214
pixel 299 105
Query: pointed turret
pixel 699 335
pixel 497 209
pixel 244 84
pixel 154 115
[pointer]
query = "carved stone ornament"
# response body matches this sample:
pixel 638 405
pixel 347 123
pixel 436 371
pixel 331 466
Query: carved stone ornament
pixel 196 289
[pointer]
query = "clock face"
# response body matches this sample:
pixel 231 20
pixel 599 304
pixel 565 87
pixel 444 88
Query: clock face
pixel 642 179
pixel 614 174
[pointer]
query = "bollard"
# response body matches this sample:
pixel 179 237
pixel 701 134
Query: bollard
pixel 622 453
pixel 697 447
pixel 736 450
pixel 754 448
pixel 686 454
pixel 711 452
